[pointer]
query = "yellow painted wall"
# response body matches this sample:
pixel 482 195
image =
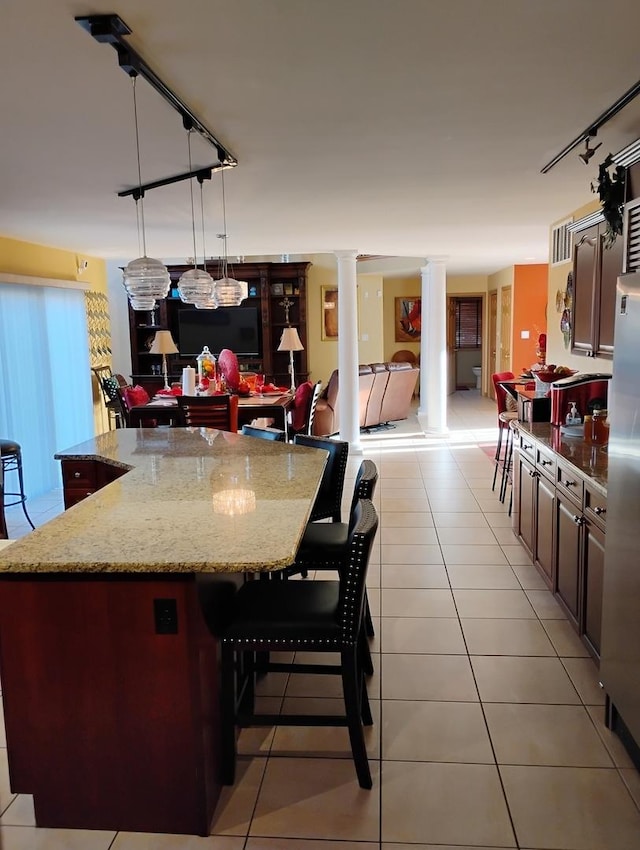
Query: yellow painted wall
pixel 322 357
pixel 370 318
pixel 27 258
pixel 556 351
pixel 398 287
pixel 31 260
pixel 467 284
pixel 323 354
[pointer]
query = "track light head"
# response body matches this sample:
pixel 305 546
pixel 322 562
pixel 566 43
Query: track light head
pixel 588 152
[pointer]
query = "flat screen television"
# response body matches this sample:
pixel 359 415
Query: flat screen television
pixel 236 328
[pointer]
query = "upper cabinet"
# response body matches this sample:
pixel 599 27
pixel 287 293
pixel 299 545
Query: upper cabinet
pixel 595 272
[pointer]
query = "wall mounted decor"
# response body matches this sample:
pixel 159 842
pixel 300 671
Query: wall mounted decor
pixel 329 312
pixel 408 319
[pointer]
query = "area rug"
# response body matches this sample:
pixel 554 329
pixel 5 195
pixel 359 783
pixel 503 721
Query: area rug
pixel 489 450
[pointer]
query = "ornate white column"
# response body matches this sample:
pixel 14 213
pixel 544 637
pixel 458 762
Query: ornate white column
pixel 433 347
pixel 348 349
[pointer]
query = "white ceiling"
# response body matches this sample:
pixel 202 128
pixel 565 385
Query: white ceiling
pixel 393 127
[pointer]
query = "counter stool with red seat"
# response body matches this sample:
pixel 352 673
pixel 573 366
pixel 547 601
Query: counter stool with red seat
pixel 11 456
pixel 505 416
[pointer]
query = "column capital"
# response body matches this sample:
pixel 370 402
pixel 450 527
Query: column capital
pixel 346 255
pixel 436 260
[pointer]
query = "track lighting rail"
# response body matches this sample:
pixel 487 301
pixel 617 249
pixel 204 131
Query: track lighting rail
pixel 593 128
pixel 111 29
pixel 200 174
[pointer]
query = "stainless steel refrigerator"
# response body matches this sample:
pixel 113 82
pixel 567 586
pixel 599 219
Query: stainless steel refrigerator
pixel 620 648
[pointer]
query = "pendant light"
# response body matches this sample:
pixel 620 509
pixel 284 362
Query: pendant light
pixel 194 285
pixel 227 291
pixel 144 279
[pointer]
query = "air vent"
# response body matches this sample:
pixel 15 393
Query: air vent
pixel 561 243
pixel 632 236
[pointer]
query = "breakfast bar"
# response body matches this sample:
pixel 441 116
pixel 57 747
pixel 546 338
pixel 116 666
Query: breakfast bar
pixel 109 615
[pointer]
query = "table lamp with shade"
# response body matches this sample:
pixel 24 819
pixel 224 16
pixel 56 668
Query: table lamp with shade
pixel 163 344
pixel 290 341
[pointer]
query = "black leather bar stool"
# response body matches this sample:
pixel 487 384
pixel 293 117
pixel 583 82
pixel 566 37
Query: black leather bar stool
pixel 11 456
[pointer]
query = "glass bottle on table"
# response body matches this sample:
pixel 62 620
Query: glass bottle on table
pixel 206 363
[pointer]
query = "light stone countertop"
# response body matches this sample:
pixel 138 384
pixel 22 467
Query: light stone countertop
pixel 159 516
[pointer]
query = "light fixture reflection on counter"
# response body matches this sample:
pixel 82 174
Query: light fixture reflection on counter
pixel 234 502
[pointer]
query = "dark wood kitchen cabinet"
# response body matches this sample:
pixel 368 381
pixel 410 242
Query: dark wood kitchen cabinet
pixel 81 478
pixel 560 518
pixel 595 272
pixel 535 505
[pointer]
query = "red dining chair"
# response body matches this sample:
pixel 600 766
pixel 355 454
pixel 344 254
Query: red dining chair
pixel 505 416
pixel 215 411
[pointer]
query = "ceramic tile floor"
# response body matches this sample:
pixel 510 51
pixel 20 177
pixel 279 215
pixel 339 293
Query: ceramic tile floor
pixel 488 716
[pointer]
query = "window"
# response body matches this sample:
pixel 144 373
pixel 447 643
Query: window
pixel 45 383
pixel 468 318
pixel 561 243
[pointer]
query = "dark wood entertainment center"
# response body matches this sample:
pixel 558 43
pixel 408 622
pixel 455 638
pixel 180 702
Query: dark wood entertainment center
pixel 269 284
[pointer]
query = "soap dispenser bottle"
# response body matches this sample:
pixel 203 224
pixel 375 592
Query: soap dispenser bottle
pixel 573 417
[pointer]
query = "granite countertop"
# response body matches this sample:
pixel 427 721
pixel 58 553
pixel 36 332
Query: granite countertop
pixel 165 514
pixel 591 461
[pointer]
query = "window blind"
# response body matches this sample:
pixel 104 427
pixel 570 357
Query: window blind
pixel 468 321
pixel 45 383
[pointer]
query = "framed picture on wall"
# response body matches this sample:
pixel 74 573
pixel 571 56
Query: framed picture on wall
pixel 408 319
pixel 329 312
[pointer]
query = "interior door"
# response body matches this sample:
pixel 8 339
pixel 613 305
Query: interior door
pixel 505 329
pixel 493 338
pixel 451 346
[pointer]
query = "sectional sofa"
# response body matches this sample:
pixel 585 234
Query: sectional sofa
pixel 385 393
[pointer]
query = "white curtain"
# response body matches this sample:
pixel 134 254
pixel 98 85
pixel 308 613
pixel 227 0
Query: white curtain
pixel 45 378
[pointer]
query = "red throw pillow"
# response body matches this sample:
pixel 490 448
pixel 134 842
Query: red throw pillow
pixel 136 395
pixel 301 402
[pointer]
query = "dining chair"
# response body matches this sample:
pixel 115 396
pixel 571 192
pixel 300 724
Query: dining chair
pixel 275 434
pixel 325 545
pixel 328 503
pixel 304 408
pixel 214 411
pixel 109 383
pixel 300 616
pixel 505 416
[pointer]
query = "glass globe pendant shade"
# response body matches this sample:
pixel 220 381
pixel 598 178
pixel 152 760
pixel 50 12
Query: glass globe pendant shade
pixel 195 286
pixel 144 304
pixel 209 303
pixel 228 292
pixel 145 279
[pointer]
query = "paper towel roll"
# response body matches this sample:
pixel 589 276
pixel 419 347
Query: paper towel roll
pixel 188 381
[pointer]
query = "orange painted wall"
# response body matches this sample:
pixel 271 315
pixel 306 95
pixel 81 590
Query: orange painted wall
pixel 530 288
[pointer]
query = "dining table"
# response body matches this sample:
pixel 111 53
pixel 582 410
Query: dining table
pixel 111 613
pixel 164 410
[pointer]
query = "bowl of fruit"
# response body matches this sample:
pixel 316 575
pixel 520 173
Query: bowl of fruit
pixel 551 373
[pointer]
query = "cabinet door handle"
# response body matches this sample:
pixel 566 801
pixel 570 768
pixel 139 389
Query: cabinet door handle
pixel 546 462
pixel 76 475
pixel 579 520
pixel 570 483
pixel 599 511
pixel 526 446
pixel 532 473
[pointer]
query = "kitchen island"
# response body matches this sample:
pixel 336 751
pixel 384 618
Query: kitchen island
pixel 108 617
